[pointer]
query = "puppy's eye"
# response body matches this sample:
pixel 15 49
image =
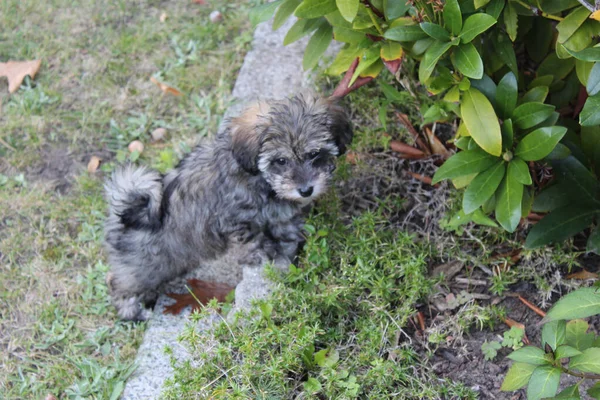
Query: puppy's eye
pixel 281 161
pixel 314 154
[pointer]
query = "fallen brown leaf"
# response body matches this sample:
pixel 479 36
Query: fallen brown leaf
pixel 534 308
pixel 437 147
pixel 403 148
pixel 165 88
pixel 16 71
pixel 93 164
pixel 202 293
pixel 404 120
pixel 422 178
pixel 583 275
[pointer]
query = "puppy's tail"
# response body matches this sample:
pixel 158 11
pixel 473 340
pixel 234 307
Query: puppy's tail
pixel 134 196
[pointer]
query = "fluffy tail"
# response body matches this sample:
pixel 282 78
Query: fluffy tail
pixel 134 195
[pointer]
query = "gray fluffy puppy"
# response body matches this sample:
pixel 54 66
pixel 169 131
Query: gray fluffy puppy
pixel 239 199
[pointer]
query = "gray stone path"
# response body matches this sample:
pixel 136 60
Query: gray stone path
pixel 270 71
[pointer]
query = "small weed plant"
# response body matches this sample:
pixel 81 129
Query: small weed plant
pixel 567 348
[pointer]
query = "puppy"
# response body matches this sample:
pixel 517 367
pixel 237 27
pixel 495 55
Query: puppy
pixel 239 199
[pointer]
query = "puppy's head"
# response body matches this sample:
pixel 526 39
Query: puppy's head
pixel 292 144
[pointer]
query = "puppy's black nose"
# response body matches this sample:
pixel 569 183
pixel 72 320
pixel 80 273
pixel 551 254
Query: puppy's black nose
pixel 305 191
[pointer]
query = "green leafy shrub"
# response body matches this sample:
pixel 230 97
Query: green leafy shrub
pixel 567 348
pixel 521 75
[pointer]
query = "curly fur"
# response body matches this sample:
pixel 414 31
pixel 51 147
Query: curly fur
pixel 238 199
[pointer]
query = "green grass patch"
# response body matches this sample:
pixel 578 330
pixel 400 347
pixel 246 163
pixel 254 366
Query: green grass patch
pixel 333 328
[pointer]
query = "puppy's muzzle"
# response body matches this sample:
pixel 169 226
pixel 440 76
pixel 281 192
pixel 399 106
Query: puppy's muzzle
pixel 305 191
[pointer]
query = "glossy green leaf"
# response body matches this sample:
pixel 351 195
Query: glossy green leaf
pixel 565 351
pixel 569 393
pixel 435 31
pixel 480 3
pixel 556 6
pixel 406 33
pixel 301 28
pixel 577 335
pixel 551 198
pixel 529 115
pixel 537 94
pixel 588 361
pixel 543 382
pixel 464 163
pixel 483 187
pixel 347 35
pixel 506 94
pixel 467 60
pixel 508 203
pixel 579 180
pixel 589 54
pixel 452 17
pixel 539 143
pixel 554 334
pixel 559 152
pixel 559 225
pixel 583 70
pixel 430 59
pixel 507 134
pixel 394 9
pixel 510 21
pixel 545 80
pixel 348 8
pixel 503 48
pixel 475 25
pixel 590 115
pixel 263 12
pixel 593 243
pixel 530 355
pixel 317 45
pixel 593 81
pixel 517 376
pixel 284 12
pixel 486 86
pixel 581 303
pixel 315 8
pixel 519 169
pixel 571 23
pixel 594 391
pixel 495 8
pixel 481 121
pixel 552 65
pixel 480 218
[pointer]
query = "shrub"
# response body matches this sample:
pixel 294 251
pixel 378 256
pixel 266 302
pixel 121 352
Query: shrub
pixel 521 75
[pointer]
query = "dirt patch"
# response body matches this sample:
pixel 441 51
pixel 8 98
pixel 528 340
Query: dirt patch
pixel 58 166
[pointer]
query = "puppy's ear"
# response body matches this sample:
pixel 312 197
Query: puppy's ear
pixel 246 137
pixel 339 125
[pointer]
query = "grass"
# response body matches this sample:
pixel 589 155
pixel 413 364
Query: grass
pixel 58 333
pixel 333 329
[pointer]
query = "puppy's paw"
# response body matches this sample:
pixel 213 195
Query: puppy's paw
pixel 130 309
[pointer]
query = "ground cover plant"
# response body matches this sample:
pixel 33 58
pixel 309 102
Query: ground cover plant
pixel 332 329
pixel 92 96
